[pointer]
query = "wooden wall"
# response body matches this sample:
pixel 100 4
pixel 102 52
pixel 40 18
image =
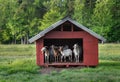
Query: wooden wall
pixel 90 45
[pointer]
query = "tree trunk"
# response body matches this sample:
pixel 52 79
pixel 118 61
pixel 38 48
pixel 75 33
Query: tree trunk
pixel 24 41
pixel 14 39
pixel 27 37
pixel 21 40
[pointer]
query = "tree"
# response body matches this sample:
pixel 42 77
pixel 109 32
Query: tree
pixel 114 32
pixel 83 11
pixel 78 10
pixel 21 19
pixel 49 18
pixel 53 13
pixel 102 17
pixel 7 10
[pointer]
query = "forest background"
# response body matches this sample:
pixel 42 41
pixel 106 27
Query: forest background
pixel 22 19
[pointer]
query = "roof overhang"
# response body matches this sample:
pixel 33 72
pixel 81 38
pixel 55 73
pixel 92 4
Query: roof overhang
pixel 42 33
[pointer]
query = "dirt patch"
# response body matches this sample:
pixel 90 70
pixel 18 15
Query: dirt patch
pixel 48 70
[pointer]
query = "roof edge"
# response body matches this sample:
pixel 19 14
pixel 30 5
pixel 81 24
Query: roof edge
pixel 42 33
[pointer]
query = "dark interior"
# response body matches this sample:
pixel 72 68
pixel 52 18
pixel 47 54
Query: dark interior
pixel 67 26
pixel 63 42
pixel 76 28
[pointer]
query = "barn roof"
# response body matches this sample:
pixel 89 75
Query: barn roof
pixel 42 33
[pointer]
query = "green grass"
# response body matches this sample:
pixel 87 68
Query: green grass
pixel 18 64
pixel 17 50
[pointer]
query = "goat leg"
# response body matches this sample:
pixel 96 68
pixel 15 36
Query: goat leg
pixel 45 59
pixel 48 59
pixel 65 58
pixel 78 58
pixel 55 58
pixel 71 58
pixel 61 58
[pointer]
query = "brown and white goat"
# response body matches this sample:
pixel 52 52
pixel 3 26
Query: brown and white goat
pixel 56 52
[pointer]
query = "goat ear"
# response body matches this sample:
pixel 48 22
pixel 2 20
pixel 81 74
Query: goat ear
pixel 42 48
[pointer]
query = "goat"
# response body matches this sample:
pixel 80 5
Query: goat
pixel 77 52
pixel 56 52
pixel 65 47
pixel 65 53
pixel 51 54
pixel 45 51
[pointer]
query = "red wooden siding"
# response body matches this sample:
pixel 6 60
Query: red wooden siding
pixel 39 55
pixel 90 51
pixel 90 45
pixel 65 34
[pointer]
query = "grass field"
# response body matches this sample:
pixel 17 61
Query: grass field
pixel 17 64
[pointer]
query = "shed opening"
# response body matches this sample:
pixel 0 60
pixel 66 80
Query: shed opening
pixel 63 42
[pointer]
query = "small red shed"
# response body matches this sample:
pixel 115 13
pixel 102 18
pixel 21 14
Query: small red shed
pixel 68 31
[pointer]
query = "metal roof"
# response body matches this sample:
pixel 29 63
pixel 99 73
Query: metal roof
pixel 42 33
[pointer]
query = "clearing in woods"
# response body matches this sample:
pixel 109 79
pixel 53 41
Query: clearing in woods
pixel 18 64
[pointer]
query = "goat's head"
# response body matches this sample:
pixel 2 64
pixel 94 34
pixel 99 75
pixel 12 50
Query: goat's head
pixel 44 49
pixel 75 46
pixel 60 48
pixel 52 46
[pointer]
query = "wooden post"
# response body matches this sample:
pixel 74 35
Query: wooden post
pixel 61 27
pixel 72 29
pixel 67 65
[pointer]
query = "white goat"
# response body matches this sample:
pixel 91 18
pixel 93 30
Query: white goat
pixel 45 51
pixel 66 53
pixel 77 52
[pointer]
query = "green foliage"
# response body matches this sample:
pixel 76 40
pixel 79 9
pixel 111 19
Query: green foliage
pixel 52 15
pixel 22 19
pixel 49 18
pixel 114 32
pixel 102 14
pixel 78 10
pixel 102 17
pixel 113 36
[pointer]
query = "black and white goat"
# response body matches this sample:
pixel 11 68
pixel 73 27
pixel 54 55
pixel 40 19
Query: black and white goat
pixel 45 51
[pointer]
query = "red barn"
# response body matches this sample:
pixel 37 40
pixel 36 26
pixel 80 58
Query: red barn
pixel 68 32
